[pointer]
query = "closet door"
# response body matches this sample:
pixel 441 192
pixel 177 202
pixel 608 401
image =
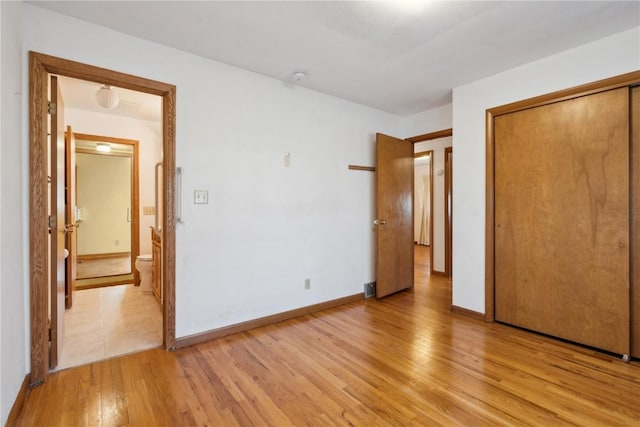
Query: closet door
pixel 635 203
pixel 562 219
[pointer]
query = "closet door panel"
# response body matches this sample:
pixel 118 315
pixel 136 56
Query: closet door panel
pixel 562 219
pixel 635 221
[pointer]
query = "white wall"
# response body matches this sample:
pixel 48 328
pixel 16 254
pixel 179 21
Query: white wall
pixel 266 227
pixel 611 56
pixel 425 122
pixel 104 197
pixel 149 137
pixel 14 197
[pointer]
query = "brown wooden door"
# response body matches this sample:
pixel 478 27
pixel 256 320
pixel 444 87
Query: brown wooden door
pixel 70 216
pixel 635 221
pixel 562 219
pixel 394 191
pixel 57 224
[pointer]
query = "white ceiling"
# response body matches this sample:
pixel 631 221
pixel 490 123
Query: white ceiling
pixel 371 52
pixel 81 94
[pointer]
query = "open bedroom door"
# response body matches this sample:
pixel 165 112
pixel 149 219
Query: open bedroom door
pixel 394 215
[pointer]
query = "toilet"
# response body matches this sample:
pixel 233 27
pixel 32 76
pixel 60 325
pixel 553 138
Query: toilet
pixel 143 265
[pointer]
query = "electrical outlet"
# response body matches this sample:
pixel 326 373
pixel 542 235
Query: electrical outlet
pixel 117 242
pixel 149 210
pixel 287 160
pixel 307 284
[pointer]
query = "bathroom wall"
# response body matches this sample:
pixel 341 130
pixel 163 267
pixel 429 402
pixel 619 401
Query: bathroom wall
pixel 149 137
pixel 104 196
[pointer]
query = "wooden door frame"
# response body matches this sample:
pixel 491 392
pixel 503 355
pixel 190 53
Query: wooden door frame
pixel 623 80
pixel 448 212
pixel 430 154
pixel 135 187
pixel 444 133
pixel 40 66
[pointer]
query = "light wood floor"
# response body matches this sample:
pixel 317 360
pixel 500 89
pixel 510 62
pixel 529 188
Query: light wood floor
pixel 401 361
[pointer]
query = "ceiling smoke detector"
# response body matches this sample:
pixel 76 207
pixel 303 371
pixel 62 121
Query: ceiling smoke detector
pixel 298 76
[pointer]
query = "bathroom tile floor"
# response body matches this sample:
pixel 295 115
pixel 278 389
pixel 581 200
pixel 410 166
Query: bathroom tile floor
pixel 107 322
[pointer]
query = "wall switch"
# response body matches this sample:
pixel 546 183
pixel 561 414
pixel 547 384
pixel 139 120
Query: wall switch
pixel 307 284
pixel 200 197
pixel 149 210
pixel 287 160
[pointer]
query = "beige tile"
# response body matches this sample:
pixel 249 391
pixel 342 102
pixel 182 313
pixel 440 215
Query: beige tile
pixel 110 321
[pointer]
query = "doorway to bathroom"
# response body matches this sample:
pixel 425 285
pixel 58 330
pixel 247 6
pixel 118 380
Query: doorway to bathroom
pixel 106 208
pixel 47 260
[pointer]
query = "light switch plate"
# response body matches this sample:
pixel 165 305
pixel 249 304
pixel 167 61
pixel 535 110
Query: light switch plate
pixel 200 197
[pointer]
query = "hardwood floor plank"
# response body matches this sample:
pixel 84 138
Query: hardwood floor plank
pixel 403 360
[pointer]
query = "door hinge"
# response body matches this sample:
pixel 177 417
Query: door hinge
pixel 52 221
pixel 51 107
pixel 52 334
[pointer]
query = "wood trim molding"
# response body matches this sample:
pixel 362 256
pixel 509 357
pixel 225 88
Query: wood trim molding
pixel 430 154
pixel 38 231
pixel 628 79
pixel 448 211
pixel 40 66
pixel 489 244
pixel 169 218
pixel 362 168
pixel 100 138
pixel 573 92
pixel 135 186
pixel 18 404
pixel 429 136
pixel 461 311
pixel 264 321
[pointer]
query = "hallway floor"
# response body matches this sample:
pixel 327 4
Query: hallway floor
pixel 107 322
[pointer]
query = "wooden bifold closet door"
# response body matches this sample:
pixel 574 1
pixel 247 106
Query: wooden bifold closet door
pixel 562 219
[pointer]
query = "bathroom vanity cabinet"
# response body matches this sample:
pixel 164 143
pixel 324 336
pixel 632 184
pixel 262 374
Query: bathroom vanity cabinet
pixel 156 263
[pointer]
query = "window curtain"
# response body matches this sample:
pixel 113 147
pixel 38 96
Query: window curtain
pixel 422 214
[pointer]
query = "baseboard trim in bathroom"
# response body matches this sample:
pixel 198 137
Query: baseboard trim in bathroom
pixel 264 321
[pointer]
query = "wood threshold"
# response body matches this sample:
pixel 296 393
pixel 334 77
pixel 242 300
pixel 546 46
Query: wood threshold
pixel 264 321
pixel 104 284
pixel 438 273
pixel 18 404
pixel 461 311
pixel 628 79
pixel 362 168
pixel 432 135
